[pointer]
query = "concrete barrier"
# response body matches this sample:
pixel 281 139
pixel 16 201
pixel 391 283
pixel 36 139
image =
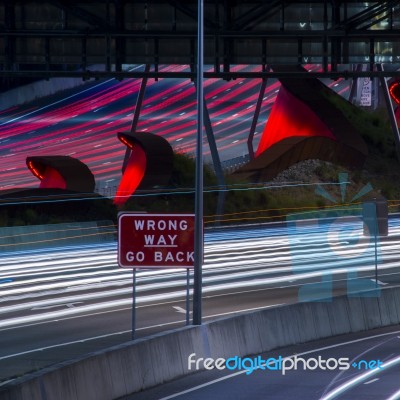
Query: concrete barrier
pixel 36 90
pixel 141 364
pixel 43 88
pixel 22 238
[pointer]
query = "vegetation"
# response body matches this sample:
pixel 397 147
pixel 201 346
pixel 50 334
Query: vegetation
pixel 247 202
pixel 52 206
pixel 297 189
pixel 382 167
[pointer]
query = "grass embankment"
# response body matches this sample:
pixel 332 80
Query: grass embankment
pixel 297 189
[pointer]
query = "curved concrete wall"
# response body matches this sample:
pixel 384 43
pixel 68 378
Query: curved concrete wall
pixel 144 363
pixel 37 90
pixel 20 238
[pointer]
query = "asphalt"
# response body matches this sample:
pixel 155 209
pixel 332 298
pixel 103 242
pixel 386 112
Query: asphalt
pixel 376 345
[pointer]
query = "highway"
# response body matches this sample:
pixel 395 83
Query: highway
pixel 83 122
pixel 360 379
pixel 63 303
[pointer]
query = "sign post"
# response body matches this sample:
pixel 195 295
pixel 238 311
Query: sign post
pixel 156 241
pixel 199 243
pixel 187 296
pixel 133 303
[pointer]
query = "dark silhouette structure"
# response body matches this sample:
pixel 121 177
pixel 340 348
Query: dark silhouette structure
pixel 65 193
pixel 394 90
pixel 149 164
pixel 305 123
pixel 62 172
pixel 95 38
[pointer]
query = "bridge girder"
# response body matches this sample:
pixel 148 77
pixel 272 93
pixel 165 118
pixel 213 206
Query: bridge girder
pixel 66 38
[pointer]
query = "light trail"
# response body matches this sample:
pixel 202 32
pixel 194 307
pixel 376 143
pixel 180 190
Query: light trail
pixel 113 102
pixel 63 277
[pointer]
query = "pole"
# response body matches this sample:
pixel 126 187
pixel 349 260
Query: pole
pixel 198 234
pixel 376 246
pixel 136 113
pixel 376 262
pixel 187 296
pixel 133 303
pixel 255 118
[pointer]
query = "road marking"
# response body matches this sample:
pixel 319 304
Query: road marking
pixel 394 396
pixel 380 282
pixel 69 305
pixel 297 354
pixel 60 345
pixel 179 309
pixel 53 104
pixel 117 333
pixel 360 378
pixel 373 380
pixel 4 383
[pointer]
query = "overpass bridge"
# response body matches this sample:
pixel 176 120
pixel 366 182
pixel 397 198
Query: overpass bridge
pixel 65 38
pixel 101 38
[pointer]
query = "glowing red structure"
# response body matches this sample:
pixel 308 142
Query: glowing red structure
pixel 305 123
pixel 149 164
pixel 61 172
pixel 394 90
pixel 291 117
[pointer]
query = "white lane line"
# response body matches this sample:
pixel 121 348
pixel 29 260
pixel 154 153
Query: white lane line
pixel 60 345
pixel 122 332
pixel 359 379
pixel 180 310
pixel 53 104
pixel 68 305
pixel 371 381
pixel 273 280
pixel 203 385
pixel 5 383
pixel 144 288
pixel 297 354
pixel 47 319
pixel 394 396
pixel 379 282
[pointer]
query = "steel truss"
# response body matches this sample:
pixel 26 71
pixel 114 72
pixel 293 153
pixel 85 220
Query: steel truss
pixel 67 38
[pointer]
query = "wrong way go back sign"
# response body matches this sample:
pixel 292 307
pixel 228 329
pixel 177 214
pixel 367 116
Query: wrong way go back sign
pixel 155 240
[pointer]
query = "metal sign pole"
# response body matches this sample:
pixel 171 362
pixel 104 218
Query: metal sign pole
pixel 198 234
pixel 133 303
pixel 376 246
pixel 187 296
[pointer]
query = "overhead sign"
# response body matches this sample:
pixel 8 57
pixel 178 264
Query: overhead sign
pixel 366 92
pixel 155 240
